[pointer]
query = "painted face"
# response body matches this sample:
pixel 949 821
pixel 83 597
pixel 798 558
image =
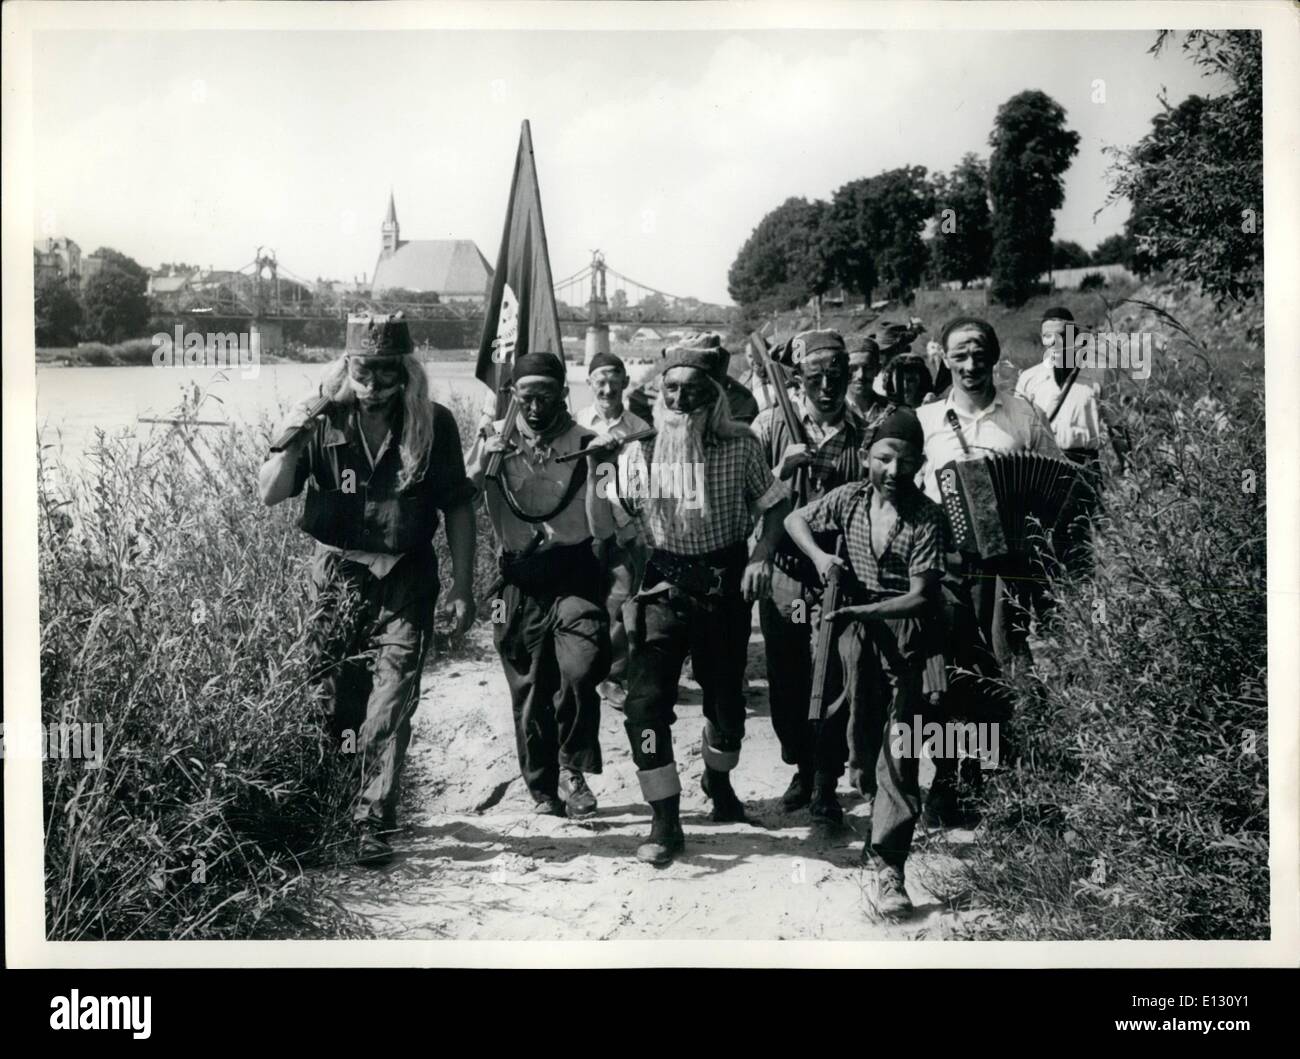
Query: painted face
pixel 540 399
pixel 825 380
pixel 375 380
pixel 688 389
pixel 608 384
pixel 892 465
pixel 969 359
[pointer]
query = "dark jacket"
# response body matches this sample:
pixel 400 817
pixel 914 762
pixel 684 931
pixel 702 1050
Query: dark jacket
pixel 349 505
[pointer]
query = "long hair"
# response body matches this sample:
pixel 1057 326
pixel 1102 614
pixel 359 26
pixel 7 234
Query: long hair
pixel 417 413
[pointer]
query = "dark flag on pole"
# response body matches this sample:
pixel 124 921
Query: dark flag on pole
pixel 521 316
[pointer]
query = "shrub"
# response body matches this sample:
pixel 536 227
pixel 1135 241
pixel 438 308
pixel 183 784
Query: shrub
pixel 1139 804
pixel 1092 281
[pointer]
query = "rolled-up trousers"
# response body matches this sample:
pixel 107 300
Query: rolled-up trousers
pixel 554 648
pixel 663 627
pixel 369 641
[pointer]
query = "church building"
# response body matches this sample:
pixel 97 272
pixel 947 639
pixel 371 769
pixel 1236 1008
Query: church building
pixel 454 269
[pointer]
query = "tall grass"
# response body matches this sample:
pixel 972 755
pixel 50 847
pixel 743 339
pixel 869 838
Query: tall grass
pixel 1138 807
pixel 174 612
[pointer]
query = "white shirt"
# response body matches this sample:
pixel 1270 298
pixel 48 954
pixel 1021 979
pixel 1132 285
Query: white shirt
pixel 619 427
pixel 1078 423
pixel 1041 373
pixel 1008 424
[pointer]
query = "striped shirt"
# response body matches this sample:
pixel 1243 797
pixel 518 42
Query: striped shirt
pixel 916 541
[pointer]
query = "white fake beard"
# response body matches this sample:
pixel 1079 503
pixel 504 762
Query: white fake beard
pixel 680 443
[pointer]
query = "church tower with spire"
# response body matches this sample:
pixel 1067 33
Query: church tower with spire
pixel 389 228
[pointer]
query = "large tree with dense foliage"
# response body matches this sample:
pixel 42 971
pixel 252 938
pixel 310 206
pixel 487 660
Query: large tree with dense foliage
pixel 1032 149
pixel 116 307
pixel 963 232
pixel 784 261
pixel 1196 180
pixel 58 312
pixel 874 228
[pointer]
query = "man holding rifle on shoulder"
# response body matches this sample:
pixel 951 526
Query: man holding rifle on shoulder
pixel 811 442
pixel 700 580
pixel 379 461
pixel 553 633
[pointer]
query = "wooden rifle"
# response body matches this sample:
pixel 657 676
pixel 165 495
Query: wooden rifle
pixel 508 428
pixel 317 408
pixel 636 435
pixel 776 375
pixel 825 640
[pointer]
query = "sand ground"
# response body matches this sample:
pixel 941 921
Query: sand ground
pixel 474 862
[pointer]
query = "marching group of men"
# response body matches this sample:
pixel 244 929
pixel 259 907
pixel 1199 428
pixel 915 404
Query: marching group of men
pixel 607 587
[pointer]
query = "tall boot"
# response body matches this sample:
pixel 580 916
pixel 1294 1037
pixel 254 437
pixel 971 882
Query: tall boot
pixel 662 788
pixel 666 837
pixel 727 807
pixel 826 809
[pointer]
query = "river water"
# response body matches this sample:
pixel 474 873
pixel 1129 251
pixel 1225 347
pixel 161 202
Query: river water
pixel 71 403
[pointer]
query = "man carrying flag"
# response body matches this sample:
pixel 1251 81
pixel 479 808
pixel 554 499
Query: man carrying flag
pixel 551 627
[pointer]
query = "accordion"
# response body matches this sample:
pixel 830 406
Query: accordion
pixel 1000 504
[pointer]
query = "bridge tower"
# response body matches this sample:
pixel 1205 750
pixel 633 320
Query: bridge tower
pixel 266 334
pixel 597 304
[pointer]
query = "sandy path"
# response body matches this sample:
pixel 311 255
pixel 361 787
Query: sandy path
pixel 474 862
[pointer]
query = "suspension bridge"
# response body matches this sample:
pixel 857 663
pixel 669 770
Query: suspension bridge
pixel 266 290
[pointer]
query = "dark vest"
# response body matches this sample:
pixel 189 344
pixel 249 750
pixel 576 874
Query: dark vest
pixel 364 509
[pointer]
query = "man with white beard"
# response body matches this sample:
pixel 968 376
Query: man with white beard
pixel 700 582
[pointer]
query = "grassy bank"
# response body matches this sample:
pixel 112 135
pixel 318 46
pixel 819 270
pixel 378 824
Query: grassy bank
pixel 1138 806
pixel 174 613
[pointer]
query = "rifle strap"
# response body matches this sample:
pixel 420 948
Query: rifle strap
pixel 577 479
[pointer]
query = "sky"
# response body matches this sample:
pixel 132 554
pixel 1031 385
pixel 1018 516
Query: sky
pixel 663 149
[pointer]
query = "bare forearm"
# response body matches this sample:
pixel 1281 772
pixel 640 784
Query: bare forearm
pixel 461 540
pixel 275 479
pixel 797 528
pixel 773 524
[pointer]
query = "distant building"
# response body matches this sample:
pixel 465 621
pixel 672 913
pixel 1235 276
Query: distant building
pixel 57 257
pixel 454 269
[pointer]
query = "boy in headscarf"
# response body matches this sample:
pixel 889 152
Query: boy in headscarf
pixel 895 558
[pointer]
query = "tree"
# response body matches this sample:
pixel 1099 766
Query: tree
pixel 58 312
pixel 1196 180
pixel 1113 250
pixel 874 228
pixel 115 304
pixel 784 260
pixel 963 235
pixel 1068 254
pixel 1032 149
pixel 618 300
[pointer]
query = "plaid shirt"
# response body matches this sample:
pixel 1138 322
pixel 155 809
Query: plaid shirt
pixel 738 485
pixel 916 549
pixel 834 449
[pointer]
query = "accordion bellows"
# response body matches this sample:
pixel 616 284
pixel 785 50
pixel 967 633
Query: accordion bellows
pixel 1000 504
